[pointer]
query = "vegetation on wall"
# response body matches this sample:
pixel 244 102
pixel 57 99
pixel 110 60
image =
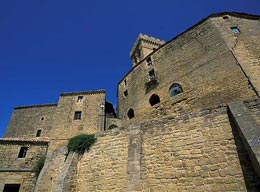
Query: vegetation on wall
pixel 39 165
pixel 81 143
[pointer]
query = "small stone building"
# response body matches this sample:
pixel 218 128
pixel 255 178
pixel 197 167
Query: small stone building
pixel 188 119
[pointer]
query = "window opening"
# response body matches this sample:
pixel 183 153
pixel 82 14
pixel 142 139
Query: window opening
pixel 112 127
pixel 125 82
pixel 22 152
pixel 80 99
pixel 125 93
pixel 225 17
pixel 131 113
pixel 175 89
pixel 154 99
pixel 235 30
pixel 149 62
pixel 38 134
pixel 42 118
pixel 152 75
pixel 11 188
pixel 77 115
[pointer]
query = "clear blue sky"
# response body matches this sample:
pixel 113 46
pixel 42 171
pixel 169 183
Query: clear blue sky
pixel 52 46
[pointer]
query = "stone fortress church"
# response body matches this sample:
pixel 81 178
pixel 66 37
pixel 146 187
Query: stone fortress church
pixel 188 119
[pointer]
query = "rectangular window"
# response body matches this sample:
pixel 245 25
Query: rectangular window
pixel 77 115
pixel 80 99
pixel 152 75
pixel 235 30
pixel 125 93
pixel 11 188
pixel 23 152
pixel 149 62
pixel 38 134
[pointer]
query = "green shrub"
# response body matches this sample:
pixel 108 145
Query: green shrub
pixel 39 165
pixel 81 143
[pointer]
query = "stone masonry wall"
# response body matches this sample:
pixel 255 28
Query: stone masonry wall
pixel 58 173
pixel 14 170
pixel 104 167
pixel 244 45
pixel 25 121
pixel 254 109
pixel 200 61
pixel 193 152
pixel 64 124
pixel 25 179
pixel 9 151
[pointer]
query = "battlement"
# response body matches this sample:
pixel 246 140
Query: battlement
pixel 92 92
pixel 147 39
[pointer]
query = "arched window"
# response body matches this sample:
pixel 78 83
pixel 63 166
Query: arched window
pixel 154 99
pixel 112 127
pixel 175 89
pixel 131 113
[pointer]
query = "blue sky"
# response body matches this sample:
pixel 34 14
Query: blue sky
pixel 52 46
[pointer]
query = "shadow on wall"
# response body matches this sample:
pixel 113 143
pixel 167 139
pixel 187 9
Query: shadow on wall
pixel 251 178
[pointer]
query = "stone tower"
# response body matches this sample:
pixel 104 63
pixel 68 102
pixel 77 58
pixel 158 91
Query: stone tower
pixel 143 46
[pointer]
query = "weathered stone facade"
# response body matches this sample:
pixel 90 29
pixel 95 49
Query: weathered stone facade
pixel 187 120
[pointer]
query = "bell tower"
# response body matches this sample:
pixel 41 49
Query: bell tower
pixel 143 46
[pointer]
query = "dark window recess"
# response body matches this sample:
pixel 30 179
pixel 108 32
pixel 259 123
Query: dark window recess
pixel 80 99
pixel 149 62
pixel 77 115
pixel 112 127
pixel 154 99
pixel 38 134
pixel 125 82
pixel 175 89
pixel 125 93
pixel 131 113
pixel 42 118
pixel 23 152
pixel 225 17
pixel 135 59
pixel 235 30
pixel 152 75
pixel 11 188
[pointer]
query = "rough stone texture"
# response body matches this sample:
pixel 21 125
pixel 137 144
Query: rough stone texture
pixel 104 167
pixel 9 151
pixel 192 152
pixel 64 125
pixel 23 178
pixel 25 121
pixel 134 159
pixel 58 173
pixel 200 61
pixel 244 45
pixel 14 170
pixel 254 109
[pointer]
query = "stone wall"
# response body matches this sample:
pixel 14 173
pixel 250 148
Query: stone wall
pixel 58 173
pixel 25 121
pixel 244 45
pixel 25 179
pixel 14 170
pixel 104 167
pixel 9 151
pixel 64 124
pixel 193 152
pixel 200 61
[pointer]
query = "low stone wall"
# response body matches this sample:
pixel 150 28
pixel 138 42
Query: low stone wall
pixel 104 167
pixel 192 152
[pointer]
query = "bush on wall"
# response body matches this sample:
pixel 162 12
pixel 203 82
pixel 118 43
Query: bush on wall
pixel 81 143
pixel 39 165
